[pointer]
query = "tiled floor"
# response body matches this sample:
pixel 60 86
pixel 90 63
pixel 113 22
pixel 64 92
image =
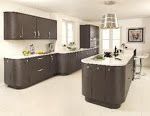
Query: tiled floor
pixel 61 96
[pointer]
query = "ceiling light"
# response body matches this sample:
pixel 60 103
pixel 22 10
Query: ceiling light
pixel 109 21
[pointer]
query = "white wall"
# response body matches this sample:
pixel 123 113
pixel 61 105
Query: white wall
pixel 14 47
pixel 141 47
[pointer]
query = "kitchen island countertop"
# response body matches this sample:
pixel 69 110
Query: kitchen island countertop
pixel 125 57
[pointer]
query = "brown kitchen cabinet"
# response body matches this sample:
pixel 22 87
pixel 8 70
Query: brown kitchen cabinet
pixel 106 85
pixel 46 28
pixel 18 26
pixel 16 73
pixel 98 82
pixel 89 36
pixel 71 62
pixel 22 73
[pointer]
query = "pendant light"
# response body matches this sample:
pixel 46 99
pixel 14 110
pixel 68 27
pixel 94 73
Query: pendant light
pixel 109 21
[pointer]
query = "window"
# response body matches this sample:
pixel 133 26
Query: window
pixel 67 32
pixel 110 38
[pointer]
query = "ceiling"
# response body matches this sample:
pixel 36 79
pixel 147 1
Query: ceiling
pixel 92 10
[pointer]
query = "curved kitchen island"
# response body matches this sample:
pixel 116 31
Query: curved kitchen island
pixel 106 82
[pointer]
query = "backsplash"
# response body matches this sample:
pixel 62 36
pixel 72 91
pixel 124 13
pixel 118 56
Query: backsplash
pixel 14 47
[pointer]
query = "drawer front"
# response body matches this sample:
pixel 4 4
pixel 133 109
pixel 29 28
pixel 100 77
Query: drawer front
pixel 39 75
pixel 40 63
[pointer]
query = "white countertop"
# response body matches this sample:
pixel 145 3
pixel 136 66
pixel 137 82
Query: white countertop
pixel 69 51
pixel 126 56
pixel 21 56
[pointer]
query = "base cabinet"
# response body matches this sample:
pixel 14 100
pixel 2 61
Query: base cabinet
pixel 22 73
pixel 106 85
pixel 17 73
pixel 98 82
pixel 71 62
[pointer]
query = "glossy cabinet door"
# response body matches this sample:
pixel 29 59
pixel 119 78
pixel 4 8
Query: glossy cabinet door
pixel 28 26
pixel 52 29
pixel 98 83
pixel 87 75
pixel 43 28
pixel 46 28
pixel 84 36
pixel 129 75
pixel 53 65
pixel 89 36
pixel 19 26
pixel 13 28
pixel 17 73
pixel 115 76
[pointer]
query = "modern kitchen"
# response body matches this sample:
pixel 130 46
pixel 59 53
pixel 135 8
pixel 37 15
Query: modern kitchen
pixel 74 58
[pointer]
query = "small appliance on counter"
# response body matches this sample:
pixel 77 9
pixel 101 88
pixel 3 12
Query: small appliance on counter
pixel 32 50
pixel 108 54
pixel 51 47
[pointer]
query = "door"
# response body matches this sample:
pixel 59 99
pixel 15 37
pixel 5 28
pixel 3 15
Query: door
pixel 42 28
pixel 98 82
pixel 28 26
pixel 71 62
pixel 52 29
pixel 53 65
pixel 21 73
pixel 8 72
pixel 12 26
pixel 115 76
pixel 87 80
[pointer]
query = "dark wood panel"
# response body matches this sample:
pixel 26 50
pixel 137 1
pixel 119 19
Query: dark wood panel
pixel 28 23
pixel 87 74
pixel 98 82
pixel 89 36
pixel 18 26
pixel 12 26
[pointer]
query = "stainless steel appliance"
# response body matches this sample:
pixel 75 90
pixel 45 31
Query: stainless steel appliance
pixel 51 47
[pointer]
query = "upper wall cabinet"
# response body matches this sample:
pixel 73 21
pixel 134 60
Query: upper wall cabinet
pixel 19 26
pixel 89 36
pixel 46 28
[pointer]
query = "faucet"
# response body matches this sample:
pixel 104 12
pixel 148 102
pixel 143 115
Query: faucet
pixel 123 45
pixel 32 51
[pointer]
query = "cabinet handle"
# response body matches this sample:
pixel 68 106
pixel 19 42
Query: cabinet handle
pixel 108 69
pixel 38 33
pixel 97 68
pixel 49 34
pixel 34 34
pixel 40 70
pixel 27 60
pixel 21 36
pixel 87 67
pixel 22 32
pixel 40 58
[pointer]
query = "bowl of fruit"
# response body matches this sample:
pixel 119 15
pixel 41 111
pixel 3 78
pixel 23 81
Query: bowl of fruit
pixel 99 57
